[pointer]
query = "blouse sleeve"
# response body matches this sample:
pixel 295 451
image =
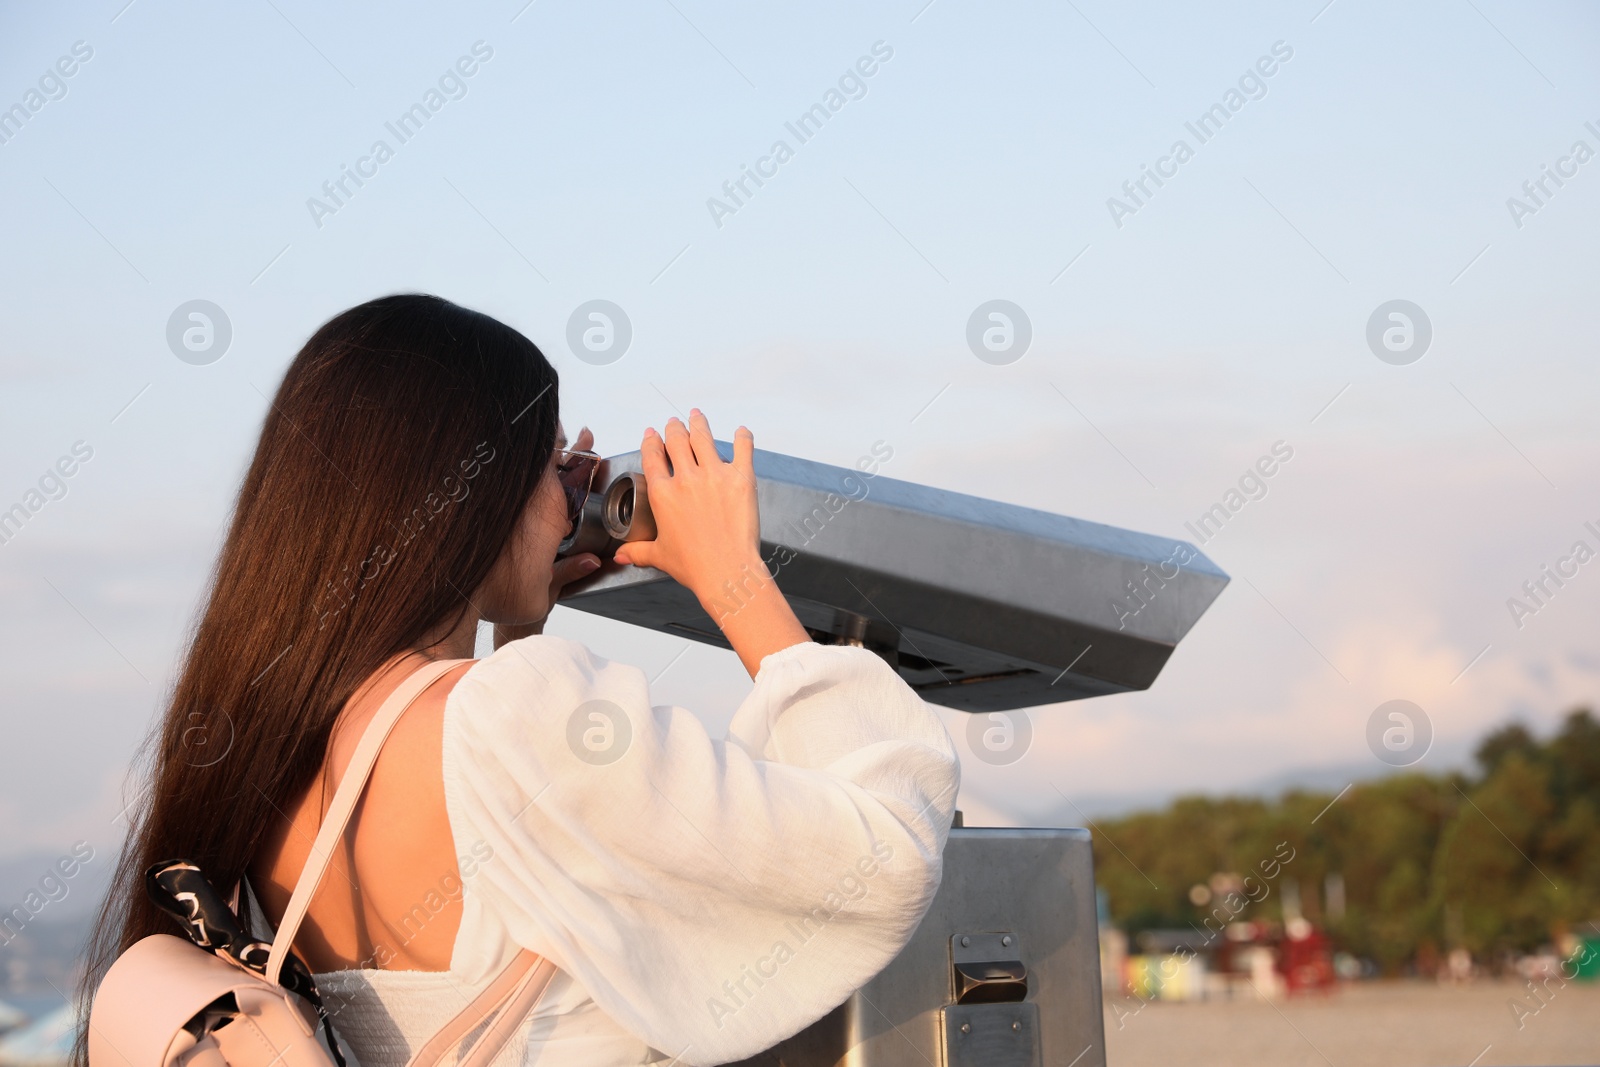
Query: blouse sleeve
pixel 714 896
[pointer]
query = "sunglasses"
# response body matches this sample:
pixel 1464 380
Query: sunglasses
pixel 576 471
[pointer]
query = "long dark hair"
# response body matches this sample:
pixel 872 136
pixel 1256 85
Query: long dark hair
pixel 401 448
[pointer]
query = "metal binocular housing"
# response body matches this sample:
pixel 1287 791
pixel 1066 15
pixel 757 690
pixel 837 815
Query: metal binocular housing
pixel 980 606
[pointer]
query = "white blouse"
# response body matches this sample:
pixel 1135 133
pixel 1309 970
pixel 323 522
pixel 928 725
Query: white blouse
pixel 703 898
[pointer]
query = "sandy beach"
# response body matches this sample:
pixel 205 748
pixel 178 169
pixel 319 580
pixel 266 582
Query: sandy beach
pixel 1376 1024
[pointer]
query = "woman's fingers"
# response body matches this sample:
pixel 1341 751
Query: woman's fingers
pixel 744 447
pixel 653 456
pixel 637 553
pixel 686 446
pixel 705 446
pixel 569 570
pixel 678 445
pixel 585 440
pixel 706 510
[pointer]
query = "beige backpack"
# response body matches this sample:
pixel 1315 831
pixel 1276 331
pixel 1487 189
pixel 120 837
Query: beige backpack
pixel 222 999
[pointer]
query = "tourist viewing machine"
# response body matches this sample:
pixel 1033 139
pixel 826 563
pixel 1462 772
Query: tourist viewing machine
pixel 983 607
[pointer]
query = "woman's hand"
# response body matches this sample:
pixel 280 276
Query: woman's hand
pixel 708 536
pixel 707 530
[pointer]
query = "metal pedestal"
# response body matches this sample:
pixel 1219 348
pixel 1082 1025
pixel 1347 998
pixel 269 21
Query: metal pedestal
pixel 1003 972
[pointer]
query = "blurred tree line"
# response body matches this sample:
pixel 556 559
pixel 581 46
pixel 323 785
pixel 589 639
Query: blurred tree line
pixel 1499 861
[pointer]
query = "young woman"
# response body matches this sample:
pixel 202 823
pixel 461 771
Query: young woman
pixel 703 898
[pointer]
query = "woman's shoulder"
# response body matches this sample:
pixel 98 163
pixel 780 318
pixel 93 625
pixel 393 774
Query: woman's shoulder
pixel 560 670
pixel 526 694
pixel 542 663
pixel 411 732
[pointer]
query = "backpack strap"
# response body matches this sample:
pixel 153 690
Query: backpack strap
pixel 514 992
pixel 351 786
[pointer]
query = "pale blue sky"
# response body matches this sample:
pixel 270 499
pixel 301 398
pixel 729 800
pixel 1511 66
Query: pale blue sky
pixel 827 313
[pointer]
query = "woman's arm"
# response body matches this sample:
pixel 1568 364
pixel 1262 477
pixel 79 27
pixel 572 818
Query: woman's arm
pixel 712 895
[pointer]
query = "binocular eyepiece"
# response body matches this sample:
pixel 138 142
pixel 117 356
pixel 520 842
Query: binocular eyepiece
pixel 617 512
